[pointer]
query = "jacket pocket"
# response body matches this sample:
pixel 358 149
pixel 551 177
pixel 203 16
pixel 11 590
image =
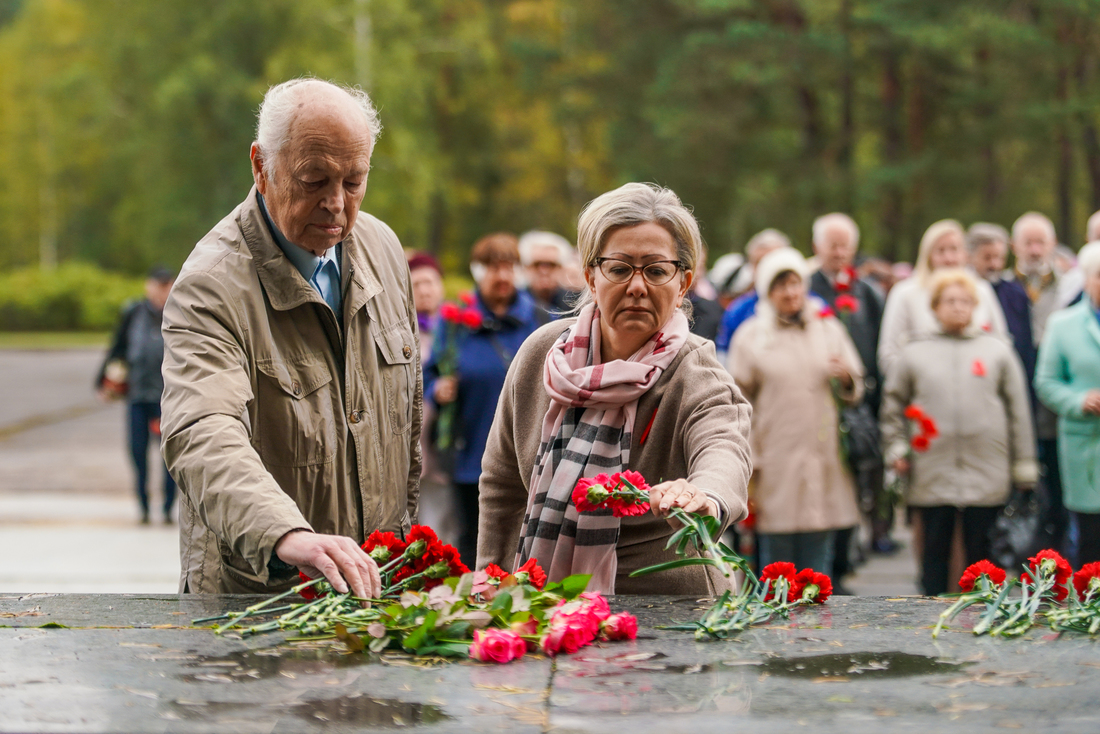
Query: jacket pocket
pixel 398 349
pixel 295 420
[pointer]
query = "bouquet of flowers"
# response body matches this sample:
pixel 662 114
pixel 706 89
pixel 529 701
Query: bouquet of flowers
pixel 457 320
pixel 923 431
pixel 431 604
pixel 780 588
pixel 1046 593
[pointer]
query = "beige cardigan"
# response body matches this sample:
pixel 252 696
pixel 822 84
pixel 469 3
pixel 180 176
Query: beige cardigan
pixel 801 484
pixel 700 428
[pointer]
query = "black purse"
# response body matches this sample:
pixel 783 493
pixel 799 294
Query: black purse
pixel 1021 530
pixel 861 434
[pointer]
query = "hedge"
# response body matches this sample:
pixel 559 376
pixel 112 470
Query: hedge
pixel 74 297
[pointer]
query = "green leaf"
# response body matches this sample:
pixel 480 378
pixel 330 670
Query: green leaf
pixel 378 644
pixel 53 626
pixel 417 637
pixel 575 584
pixel 679 563
pixel 501 603
pixel 354 642
pixel 446 649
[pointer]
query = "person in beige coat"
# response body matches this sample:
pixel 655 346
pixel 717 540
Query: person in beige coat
pixel 623 385
pixel 292 401
pixel 795 363
pixel 972 385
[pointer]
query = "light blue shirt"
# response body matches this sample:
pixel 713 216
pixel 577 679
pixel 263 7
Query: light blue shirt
pixel 323 272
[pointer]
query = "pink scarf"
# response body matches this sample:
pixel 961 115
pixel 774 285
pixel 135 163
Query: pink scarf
pixel 586 431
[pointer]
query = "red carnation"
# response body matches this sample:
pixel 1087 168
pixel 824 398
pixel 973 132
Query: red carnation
pixel 590 495
pixel 309 593
pixel 1088 576
pixel 970 577
pixel 535 575
pixel 847 304
pixel 389 541
pixel 496 572
pixel 929 428
pixel 914 412
pixel 1062 571
pixel 471 318
pixel 826 312
pixel 775 571
pixel 845 278
pixel 813 586
pixel 467 297
pixel 978 368
pixel 920 443
pixel 450 312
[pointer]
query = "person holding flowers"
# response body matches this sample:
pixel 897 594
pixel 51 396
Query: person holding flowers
pixel 487 335
pixel 797 364
pixel 971 386
pixel 1067 380
pixel 624 386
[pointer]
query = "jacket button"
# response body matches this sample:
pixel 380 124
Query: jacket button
pixel 296 388
pixel 407 351
pixel 355 416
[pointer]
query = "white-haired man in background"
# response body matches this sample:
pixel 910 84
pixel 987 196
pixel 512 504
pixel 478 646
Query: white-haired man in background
pixel 1034 240
pixel 544 256
pixel 292 401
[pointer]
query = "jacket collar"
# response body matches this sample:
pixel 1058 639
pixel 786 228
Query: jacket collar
pixel 284 285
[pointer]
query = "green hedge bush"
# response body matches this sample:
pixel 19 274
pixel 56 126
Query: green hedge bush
pixel 74 297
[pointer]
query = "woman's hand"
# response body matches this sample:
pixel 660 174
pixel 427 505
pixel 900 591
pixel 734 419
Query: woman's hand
pixel 683 494
pixel 445 390
pixel 838 371
pixel 901 466
pixel 1092 403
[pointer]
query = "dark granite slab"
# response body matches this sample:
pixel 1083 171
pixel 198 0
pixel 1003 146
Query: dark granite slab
pixel 131 663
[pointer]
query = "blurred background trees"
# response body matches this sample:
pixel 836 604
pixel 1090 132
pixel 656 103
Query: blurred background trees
pixel 125 124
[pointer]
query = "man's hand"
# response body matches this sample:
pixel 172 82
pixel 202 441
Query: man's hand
pixel 445 390
pixel 335 556
pixel 838 371
pixel 1092 402
pixel 901 466
pixel 680 493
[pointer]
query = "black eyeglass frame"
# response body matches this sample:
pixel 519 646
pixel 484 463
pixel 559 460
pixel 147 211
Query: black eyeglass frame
pixel 639 269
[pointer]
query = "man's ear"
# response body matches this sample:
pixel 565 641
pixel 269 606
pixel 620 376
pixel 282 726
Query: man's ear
pixel 258 168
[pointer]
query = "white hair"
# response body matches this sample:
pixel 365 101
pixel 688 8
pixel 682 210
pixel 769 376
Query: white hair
pixel 1088 259
pixel 822 224
pixel 765 238
pixel 534 239
pixel 1029 217
pixel 281 105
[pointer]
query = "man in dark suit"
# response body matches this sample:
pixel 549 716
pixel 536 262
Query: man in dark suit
pixel 859 307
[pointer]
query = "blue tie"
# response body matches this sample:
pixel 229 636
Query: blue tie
pixel 326 279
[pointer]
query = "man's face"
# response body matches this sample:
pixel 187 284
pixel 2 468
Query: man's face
pixel 314 187
pixel 835 251
pixel 989 259
pixel 499 283
pixel 763 250
pixel 1033 247
pixel 427 290
pixel 544 272
pixel 157 292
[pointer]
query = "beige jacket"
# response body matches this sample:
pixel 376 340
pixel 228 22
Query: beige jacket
pixel 801 484
pixel 984 420
pixel 699 433
pixel 275 417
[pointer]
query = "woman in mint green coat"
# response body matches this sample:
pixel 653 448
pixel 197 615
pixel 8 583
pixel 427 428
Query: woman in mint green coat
pixel 1067 380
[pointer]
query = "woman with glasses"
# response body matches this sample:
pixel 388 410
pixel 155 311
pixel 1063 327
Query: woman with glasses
pixel 623 385
pixel 797 365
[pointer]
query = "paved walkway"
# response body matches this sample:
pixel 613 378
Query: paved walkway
pixel 68 518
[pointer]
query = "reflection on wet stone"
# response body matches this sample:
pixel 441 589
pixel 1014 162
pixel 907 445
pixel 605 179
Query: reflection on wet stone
pixel 356 708
pixel 864 664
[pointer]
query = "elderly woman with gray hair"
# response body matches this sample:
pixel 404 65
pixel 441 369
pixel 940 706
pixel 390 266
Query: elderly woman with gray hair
pixel 623 385
pixel 1068 381
pixel 796 362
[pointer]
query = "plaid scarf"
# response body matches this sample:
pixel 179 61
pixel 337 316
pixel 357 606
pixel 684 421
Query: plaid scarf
pixel 587 431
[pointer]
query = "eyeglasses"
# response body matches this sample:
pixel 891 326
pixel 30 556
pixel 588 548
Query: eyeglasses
pixel 655 273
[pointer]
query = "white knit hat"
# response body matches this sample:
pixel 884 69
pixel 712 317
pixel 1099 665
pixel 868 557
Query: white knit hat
pixel 777 262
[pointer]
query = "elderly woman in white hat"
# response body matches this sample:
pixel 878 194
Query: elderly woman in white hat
pixel 796 363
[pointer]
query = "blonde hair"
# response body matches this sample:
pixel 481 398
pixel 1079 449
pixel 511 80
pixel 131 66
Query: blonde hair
pixel 923 269
pixel 941 280
pixel 630 205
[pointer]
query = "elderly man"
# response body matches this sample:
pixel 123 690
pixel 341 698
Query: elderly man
pixel 1033 243
pixel 292 401
pixel 988 247
pixel 544 256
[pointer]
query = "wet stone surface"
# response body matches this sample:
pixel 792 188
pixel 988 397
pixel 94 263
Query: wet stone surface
pixel 110 663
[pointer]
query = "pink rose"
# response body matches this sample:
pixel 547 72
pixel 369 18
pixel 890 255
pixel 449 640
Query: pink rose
pixel 620 627
pixel 566 634
pixel 597 604
pixel 497 646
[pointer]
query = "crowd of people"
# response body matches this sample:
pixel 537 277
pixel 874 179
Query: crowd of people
pixel 830 351
pixel 300 412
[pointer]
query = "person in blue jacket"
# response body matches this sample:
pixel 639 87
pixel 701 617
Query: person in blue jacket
pixel 484 352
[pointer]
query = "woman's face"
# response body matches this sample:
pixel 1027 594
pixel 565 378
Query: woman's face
pixel 636 308
pixel 949 251
pixel 955 309
pixel 427 286
pixel 787 295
